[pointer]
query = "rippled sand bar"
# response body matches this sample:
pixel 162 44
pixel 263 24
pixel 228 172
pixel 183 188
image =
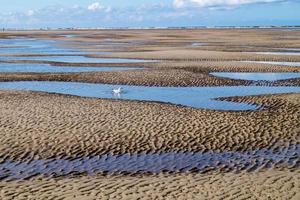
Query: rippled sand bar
pixel 181 126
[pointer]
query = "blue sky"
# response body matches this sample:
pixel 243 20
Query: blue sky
pixel 142 13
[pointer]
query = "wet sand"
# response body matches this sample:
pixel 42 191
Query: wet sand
pixel 145 77
pixel 161 74
pixel 275 184
pixel 174 50
pixel 46 128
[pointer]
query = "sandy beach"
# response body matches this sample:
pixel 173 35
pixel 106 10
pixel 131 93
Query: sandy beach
pixel 273 184
pixel 87 127
pixel 251 154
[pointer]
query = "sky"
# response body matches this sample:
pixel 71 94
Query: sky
pixel 147 13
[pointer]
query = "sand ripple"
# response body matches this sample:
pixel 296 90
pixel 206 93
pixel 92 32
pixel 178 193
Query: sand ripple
pixel 154 163
pixel 48 125
pixel 274 184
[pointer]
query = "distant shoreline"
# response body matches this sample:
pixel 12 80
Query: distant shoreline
pixel 159 28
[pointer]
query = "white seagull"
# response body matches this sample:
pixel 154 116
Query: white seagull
pixel 117 91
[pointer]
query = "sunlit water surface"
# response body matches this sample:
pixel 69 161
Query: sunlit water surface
pixel 256 76
pixel 197 97
pixel 46 68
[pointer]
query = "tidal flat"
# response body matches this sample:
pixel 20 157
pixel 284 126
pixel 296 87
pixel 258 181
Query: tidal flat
pixel 199 114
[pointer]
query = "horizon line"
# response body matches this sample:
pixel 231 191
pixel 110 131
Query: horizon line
pixel 153 27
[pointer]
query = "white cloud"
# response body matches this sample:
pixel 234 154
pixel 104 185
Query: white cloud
pixel 30 12
pixel 95 6
pixel 217 3
pixel 99 15
pixel 179 3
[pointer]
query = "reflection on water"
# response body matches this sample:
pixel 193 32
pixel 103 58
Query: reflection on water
pixel 73 59
pixel 279 53
pixel 45 68
pixel 34 46
pixel 295 64
pixel 40 46
pixel 153 163
pixel 257 76
pixel 45 47
pixel 197 97
pixel 70 35
pixel 195 44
